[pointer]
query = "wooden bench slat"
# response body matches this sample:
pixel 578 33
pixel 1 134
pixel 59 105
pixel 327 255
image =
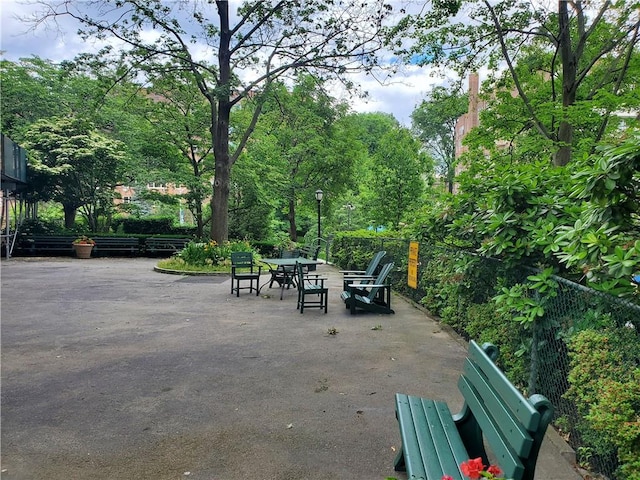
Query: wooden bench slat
pixel 165 244
pixel 523 410
pixel 434 455
pixel 450 450
pixel 507 459
pixel 423 446
pixel 514 432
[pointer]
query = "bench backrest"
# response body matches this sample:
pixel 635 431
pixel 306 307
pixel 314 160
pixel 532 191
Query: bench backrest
pixel 380 280
pixel 242 260
pixel 512 425
pixel 290 253
pixel 375 261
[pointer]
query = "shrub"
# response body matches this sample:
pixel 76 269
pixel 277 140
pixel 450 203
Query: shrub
pixel 211 253
pixel 148 225
pixel 605 383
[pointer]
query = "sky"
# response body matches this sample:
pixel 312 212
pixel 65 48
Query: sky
pixel 398 96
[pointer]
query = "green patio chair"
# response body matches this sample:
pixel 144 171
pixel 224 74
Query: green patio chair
pixel 370 297
pixel 311 284
pixel 244 269
pixel 363 276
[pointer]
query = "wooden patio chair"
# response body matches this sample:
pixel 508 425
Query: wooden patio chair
pixel 363 276
pixel 371 297
pixel 311 284
pixel 244 269
pixel 286 274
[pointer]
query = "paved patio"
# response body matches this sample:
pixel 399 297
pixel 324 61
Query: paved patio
pixel 111 370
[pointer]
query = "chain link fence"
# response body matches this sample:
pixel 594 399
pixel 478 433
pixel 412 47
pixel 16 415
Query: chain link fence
pixel 458 288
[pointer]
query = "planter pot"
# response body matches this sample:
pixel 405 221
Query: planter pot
pixel 82 250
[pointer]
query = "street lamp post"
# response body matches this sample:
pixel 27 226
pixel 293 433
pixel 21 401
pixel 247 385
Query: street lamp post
pixel 319 195
pixel 350 207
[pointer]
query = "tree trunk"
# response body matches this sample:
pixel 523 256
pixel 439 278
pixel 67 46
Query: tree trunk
pixel 565 139
pixel 220 132
pixel 220 198
pixel 569 73
pixel 198 217
pixel 293 230
pixel 69 215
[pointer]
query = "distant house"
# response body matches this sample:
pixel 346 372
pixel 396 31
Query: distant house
pixel 127 193
pixel 470 119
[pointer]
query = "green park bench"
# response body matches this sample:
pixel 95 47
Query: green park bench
pixel 164 245
pixel 435 442
pixel 105 246
pixel 49 244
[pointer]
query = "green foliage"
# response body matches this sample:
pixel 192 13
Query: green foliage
pixel 543 216
pixel 604 241
pixel 434 121
pixel 526 302
pixel 41 227
pixel 147 225
pixel 568 95
pixel 211 253
pixel 304 142
pixel 353 250
pixel 484 324
pixel 75 165
pixel 605 383
pixel 396 180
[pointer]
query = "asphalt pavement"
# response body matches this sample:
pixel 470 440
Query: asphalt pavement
pixel 111 370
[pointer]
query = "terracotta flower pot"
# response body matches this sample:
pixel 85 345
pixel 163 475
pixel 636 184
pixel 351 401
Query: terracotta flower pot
pixel 83 250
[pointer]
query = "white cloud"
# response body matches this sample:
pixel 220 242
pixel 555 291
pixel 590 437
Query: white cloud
pixel 398 95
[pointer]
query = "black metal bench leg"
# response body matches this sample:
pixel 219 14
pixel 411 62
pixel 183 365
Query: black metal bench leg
pixel 398 463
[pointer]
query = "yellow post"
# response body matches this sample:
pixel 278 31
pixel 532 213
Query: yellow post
pixel 412 271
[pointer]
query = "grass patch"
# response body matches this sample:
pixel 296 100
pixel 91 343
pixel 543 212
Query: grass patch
pixel 175 263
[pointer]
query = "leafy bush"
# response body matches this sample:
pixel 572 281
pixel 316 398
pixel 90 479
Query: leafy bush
pixel 148 225
pixel 484 324
pixel 605 384
pixel 40 227
pixel 353 250
pixel 212 253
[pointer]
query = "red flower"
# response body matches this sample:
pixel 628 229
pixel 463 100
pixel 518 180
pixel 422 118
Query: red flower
pixel 472 468
pixel 494 470
pixel 447 477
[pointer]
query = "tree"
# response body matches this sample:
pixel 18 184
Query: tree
pixel 77 165
pixel 434 121
pixel 584 52
pixel 309 143
pixel 33 89
pixel 371 127
pixel 397 179
pixel 179 118
pixel 260 44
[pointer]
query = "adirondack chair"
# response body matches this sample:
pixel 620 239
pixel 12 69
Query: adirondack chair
pixel 363 276
pixel 314 285
pixel 371 297
pixel 243 268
